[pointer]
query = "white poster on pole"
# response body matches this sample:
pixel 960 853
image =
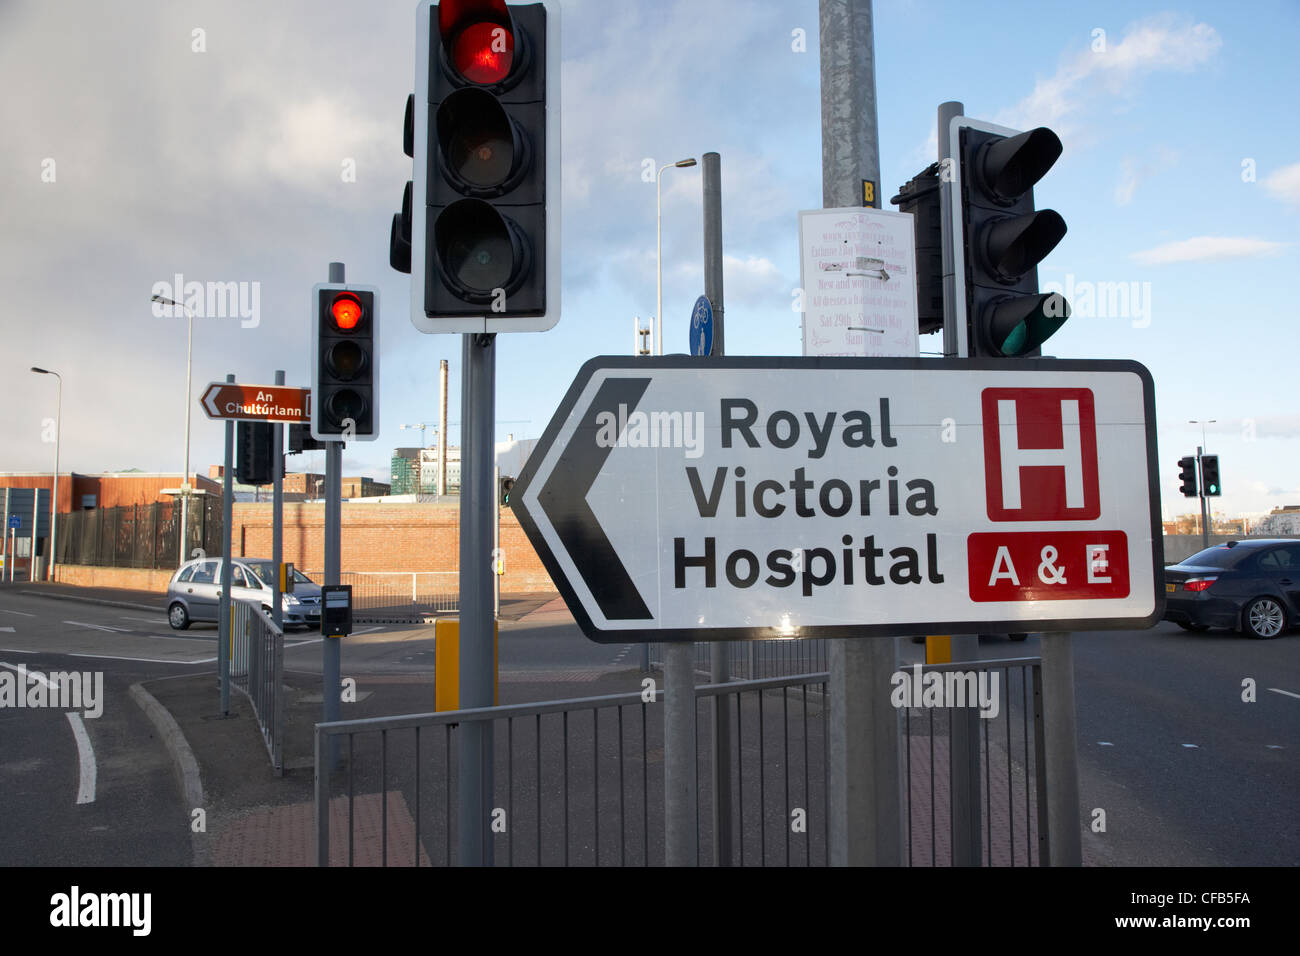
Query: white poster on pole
pixel 857 270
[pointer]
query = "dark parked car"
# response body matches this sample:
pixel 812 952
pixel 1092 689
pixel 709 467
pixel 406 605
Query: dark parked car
pixel 1251 585
pixel 194 590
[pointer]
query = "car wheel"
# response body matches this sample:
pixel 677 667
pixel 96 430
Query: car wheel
pixel 1018 637
pixel 1192 627
pixel 178 617
pixel 1263 618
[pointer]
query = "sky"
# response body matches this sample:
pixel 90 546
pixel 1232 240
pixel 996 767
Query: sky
pixel 251 142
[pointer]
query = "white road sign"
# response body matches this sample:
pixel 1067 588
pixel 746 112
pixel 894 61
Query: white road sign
pixel 857 269
pixel 682 499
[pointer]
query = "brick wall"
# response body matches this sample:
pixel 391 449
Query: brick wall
pixel 385 537
pixel 141 579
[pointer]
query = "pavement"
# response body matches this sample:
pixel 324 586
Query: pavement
pixel 243 814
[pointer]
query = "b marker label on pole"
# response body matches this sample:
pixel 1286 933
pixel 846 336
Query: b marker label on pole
pixel 685 499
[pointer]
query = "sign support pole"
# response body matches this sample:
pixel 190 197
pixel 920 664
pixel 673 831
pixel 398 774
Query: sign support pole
pixel 331 649
pixel 223 614
pixel 477 504
pixel 865 785
pixel 1065 845
pixel 277 514
pixel 719 650
pixel 1200 487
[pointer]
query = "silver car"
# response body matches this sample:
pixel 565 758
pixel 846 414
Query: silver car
pixel 195 590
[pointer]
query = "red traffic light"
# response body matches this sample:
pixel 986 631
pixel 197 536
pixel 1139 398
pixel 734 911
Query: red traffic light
pixel 347 311
pixel 483 53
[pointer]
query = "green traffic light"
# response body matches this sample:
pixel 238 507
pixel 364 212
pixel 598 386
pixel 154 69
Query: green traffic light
pixel 1017 326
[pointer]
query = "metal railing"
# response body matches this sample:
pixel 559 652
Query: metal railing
pixel 580 782
pixel 257 669
pixel 757 660
pixel 399 597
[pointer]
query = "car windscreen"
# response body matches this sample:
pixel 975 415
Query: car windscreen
pixel 1216 557
pixel 266 571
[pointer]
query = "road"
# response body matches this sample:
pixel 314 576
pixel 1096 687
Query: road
pixel 1185 770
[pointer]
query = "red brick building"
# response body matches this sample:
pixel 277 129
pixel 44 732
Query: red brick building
pixel 109 490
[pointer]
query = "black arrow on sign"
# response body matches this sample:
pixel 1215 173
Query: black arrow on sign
pixel 564 501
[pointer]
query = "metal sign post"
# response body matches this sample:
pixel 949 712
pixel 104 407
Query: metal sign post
pixel 223 615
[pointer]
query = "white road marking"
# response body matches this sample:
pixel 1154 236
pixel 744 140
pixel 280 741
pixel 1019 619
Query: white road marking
pixel 314 640
pixel 8 630
pixel 86 758
pixel 1278 690
pixel 1272 746
pixel 147 620
pixel 100 627
pixel 106 657
pixel 1191 746
pixel 87 770
pixel 5 610
pixel 1104 743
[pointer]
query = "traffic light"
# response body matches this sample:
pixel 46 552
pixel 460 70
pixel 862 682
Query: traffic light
pixel 300 439
pixel 1187 475
pixel 345 368
pixel 254 453
pixel 505 485
pixel 920 197
pixel 999 239
pixel 479 230
pixel 1210 475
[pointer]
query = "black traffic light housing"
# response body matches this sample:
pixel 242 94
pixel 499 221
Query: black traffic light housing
pixel 254 453
pixel 300 439
pixel 505 485
pixel 479 228
pixel 345 363
pixel 920 197
pixel 1210 476
pixel 999 239
pixel 1187 476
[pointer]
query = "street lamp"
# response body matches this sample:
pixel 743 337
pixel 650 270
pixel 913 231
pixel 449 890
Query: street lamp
pixel 58 436
pixel 659 252
pixel 185 477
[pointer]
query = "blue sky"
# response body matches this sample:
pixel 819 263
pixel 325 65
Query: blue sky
pixel 1180 177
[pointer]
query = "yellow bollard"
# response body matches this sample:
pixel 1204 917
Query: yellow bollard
pixel 938 649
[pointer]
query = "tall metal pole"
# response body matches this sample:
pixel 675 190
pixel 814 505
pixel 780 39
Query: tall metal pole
pixel 865 785
pixel 54 503
pixel 964 750
pixel 185 478
pixel 227 518
pixel 332 651
pixel 477 626
pixel 1200 487
pixel 277 513
pixel 1061 752
pixel 718 650
pixel 442 428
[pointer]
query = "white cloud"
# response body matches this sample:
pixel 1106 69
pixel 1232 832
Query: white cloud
pixel 1164 42
pixel 1284 183
pixel 1208 249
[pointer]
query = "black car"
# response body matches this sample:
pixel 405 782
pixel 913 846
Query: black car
pixel 1252 586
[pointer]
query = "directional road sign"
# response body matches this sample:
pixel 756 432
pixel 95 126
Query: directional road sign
pixel 257 403
pixel 687 499
pixel 15 521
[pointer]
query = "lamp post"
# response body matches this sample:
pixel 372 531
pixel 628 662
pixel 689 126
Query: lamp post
pixel 185 477
pixel 659 252
pixel 58 437
pixel 1208 529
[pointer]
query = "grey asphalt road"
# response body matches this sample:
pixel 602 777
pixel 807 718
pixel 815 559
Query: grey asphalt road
pixel 1185 770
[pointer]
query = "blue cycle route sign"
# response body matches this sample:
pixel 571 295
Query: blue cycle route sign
pixel 15 521
pixel 702 327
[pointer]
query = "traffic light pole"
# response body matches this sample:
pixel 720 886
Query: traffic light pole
pixel 223 604
pixel 1205 502
pixel 331 647
pixel 277 514
pixel 865 788
pixel 478 502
